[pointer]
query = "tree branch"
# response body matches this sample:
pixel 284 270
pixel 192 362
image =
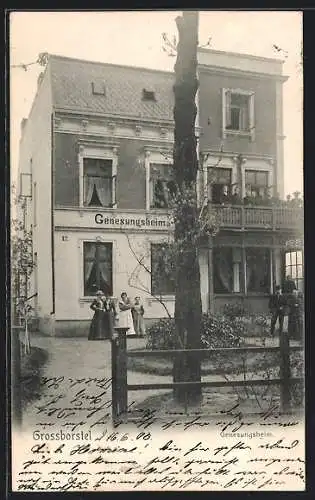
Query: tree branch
pixel 42 60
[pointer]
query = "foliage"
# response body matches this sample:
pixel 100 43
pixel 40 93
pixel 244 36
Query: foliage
pixel 216 331
pixel 233 311
pixel 41 60
pixel 32 366
pixel 294 200
pixel 262 320
pixel 22 262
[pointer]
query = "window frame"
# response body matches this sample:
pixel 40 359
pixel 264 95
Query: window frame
pixel 25 190
pixel 287 268
pixel 152 156
pixel 257 186
pixel 100 152
pixel 210 184
pixel 158 293
pixel 269 263
pixel 82 263
pixel 226 93
pixel 151 184
pixel 110 177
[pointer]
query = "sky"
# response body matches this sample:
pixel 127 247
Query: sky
pixel 135 39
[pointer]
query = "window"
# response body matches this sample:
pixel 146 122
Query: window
pixel 222 270
pixel 97 267
pixel 162 187
pixel 219 184
pixel 26 185
pixel 256 183
pixel 98 88
pixel 99 183
pixel 294 267
pixel 238 111
pixel 258 269
pixel 162 270
pixel 148 95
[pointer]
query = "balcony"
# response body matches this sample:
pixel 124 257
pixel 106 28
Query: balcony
pixel 264 218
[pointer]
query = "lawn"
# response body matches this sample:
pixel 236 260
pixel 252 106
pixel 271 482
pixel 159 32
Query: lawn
pixel 229 363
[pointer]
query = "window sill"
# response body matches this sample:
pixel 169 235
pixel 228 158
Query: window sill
pixel 240 133
pixel 83 300
pixel 241 294
pixel 162 298
pixel 236 132
pixel 98 207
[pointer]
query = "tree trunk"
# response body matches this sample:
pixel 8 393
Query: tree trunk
pixel 188 299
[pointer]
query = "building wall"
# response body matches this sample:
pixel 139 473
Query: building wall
pixel 210 118
pixel 35 150
pixel 130 172
pixel 70 301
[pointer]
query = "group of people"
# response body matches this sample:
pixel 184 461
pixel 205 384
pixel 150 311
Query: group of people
pixel 287 301
pixel 130 315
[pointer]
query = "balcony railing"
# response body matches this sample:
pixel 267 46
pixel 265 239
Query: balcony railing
pixel 245 217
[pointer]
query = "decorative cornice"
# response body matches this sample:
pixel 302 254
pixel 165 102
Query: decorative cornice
pixel 232 155
pixel 163 132
pixel 161 148
pixel 102 143
pixel 138 130
pixel 84 124
pixel 118 119
pixel 234 72
pixel 111 126
pixel 57 122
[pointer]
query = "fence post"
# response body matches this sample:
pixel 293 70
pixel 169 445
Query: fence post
pixel 119 372
pixel 16 395
pixel 115 346
pixel 285 371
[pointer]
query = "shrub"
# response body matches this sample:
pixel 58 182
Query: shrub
pixel 233 311
pixel 262 322
pixel 216 331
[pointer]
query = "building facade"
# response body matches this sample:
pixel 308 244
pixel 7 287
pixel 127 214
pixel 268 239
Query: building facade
pixel 96 152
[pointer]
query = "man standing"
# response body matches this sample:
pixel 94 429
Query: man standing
pixel 277 306
pixel 288 285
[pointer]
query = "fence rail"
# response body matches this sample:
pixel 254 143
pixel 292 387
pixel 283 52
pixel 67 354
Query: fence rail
pixel 120 386
pixel 259 217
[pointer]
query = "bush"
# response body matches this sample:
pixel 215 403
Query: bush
pixel 216 331
pixel 233 311
pixel 262 322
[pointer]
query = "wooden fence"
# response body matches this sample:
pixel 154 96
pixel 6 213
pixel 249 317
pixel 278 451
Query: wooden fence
pixel 16 394
pixel 120 386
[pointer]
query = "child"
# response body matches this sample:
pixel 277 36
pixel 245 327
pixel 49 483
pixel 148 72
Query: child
pixel 138 319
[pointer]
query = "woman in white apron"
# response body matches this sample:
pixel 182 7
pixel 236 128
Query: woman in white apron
pixel 125 316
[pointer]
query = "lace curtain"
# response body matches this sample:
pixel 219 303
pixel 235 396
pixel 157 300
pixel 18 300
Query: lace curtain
pixel 99 186
pixel 97 267
pixel 223 270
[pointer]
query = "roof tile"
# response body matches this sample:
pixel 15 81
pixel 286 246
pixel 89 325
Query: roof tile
pixel 72 89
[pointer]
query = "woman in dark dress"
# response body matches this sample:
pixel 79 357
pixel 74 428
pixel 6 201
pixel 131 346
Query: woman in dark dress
pixel 102 323
pixel 295 316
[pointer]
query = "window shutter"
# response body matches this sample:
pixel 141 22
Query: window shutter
pixel 228 99
pixel 114 182
pixel 223 112
pixel 252 117
pixel 26 185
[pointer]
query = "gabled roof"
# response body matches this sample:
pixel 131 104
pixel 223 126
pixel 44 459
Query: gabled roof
pixel 72 79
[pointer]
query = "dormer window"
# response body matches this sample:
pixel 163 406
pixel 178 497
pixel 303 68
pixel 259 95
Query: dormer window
pixel 148 95
pixel 98 88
